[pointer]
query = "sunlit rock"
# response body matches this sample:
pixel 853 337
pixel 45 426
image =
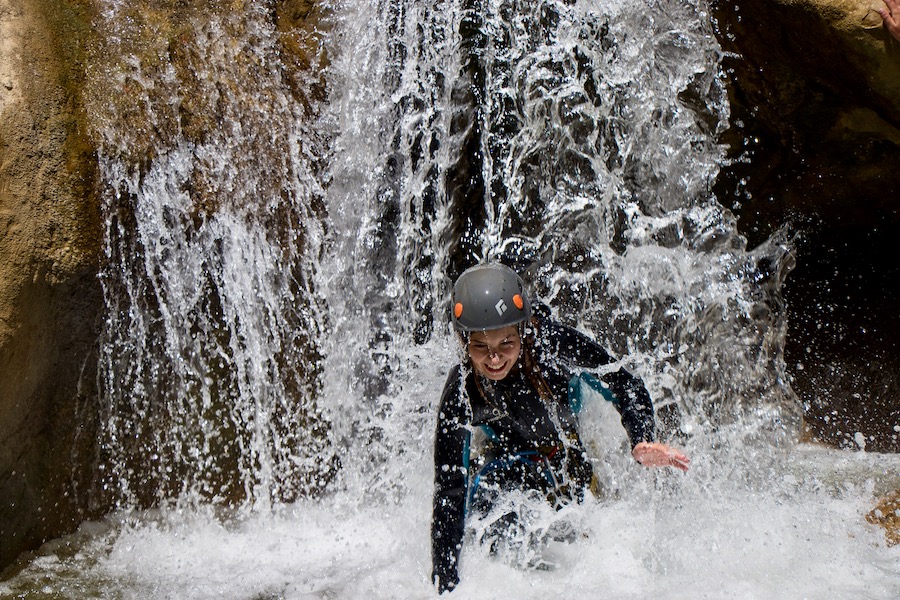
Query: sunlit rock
pixel 886 514
pixel 49 252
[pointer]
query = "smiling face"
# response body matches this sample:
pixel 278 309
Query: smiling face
pixel 494 353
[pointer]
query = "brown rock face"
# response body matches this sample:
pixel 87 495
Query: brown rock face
pixel 49 245
pixel 816 114
pixel 886 514
pixel 816 138
pixel 51 232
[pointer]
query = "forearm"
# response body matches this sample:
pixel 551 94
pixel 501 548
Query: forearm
pixel 634 405
pixel 450 484
pixel 447 528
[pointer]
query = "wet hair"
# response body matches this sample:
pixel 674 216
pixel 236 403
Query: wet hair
pixel 530 363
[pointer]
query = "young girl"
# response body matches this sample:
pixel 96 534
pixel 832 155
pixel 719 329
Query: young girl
pixel 520 385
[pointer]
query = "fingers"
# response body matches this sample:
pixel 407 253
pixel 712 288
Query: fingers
pixel 680 461
pixel 676 459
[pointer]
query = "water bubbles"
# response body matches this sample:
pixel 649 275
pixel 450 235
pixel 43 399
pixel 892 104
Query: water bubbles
pixel 272 305
pixel 208 360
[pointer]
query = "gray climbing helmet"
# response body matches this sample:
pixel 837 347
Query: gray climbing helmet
pixel 489 296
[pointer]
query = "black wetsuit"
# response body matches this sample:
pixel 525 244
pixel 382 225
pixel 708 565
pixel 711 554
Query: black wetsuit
pixel 521 424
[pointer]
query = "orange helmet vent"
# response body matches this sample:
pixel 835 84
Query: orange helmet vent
pixel 517 300
pixel 457 310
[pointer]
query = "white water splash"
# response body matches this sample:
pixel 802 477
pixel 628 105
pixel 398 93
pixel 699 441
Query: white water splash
pixel 665 536
pixel 637 253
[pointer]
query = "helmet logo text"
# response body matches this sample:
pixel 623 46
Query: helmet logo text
pixel 501 307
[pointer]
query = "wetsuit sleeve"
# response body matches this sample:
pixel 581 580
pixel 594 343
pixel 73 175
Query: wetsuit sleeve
pixel 632 399
pixel 450 483
pixel 634 405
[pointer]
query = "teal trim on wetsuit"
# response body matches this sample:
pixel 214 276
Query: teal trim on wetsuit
pixel 576 402
pixel 576 391
pixel 521 422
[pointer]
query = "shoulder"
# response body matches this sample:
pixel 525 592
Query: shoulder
pixel 454 381
pixel 458 381
pixel 455 403
pixel 549 329
pixel 455 373
pixel 566 342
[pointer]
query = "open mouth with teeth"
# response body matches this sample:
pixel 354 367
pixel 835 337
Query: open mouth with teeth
pixel 490 369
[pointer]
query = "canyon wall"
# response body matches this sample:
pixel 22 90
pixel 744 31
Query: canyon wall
pixel 50 299
pixel 815 94
pixel 815 144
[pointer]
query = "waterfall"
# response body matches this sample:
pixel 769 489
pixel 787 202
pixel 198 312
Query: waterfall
pixel 209 360
pixel 289 191
pixel 576 141
pixel 276 266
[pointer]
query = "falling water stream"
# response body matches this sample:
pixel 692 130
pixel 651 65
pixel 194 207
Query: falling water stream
pixel 276 272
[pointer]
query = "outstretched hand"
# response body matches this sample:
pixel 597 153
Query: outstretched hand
pixel 656 454
pixel 891 17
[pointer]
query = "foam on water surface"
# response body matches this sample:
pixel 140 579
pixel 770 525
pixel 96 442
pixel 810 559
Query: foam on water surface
pixel 277 337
